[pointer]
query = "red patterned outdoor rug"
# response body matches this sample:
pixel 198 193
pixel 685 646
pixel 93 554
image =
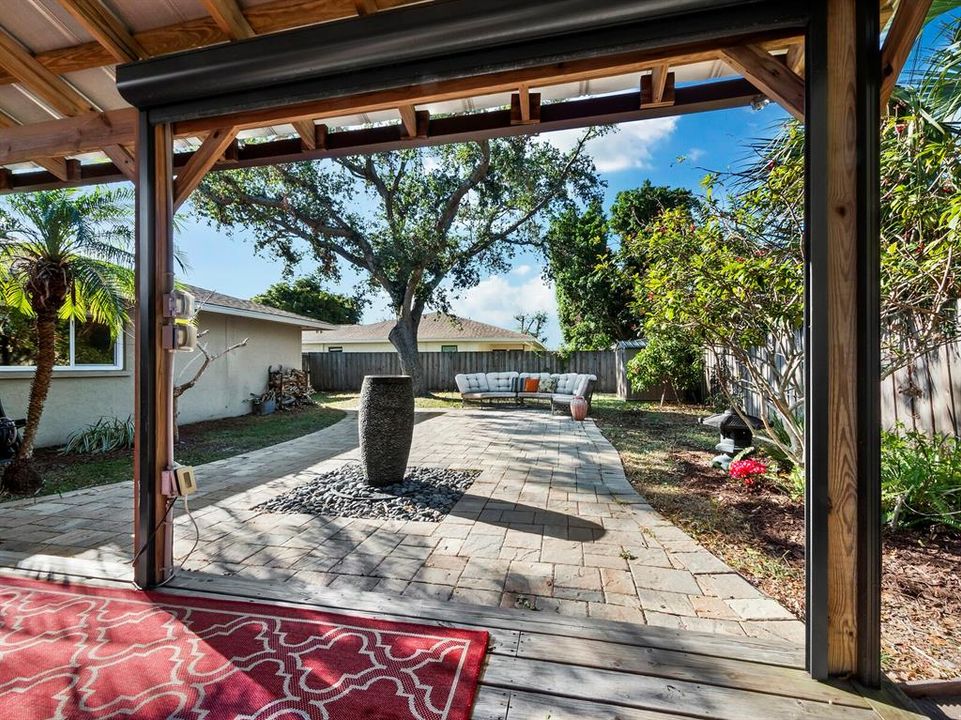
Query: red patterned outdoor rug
pixel 83 653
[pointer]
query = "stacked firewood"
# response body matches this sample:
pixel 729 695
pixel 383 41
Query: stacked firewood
pixel 288 386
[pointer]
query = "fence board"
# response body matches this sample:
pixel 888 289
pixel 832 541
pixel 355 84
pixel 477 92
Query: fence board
pixel 344 372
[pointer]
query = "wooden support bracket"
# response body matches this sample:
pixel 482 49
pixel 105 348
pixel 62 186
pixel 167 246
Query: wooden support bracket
pixel 907 23
pixel 210 151
pixel 769 74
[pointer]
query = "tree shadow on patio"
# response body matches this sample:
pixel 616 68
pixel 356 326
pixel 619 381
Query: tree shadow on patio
pixel 526 518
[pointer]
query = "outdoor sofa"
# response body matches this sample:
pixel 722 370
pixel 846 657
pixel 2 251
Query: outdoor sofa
pixel 558 388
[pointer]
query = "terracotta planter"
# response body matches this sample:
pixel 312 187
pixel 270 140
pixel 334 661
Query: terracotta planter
pixel 385 425
pixel 579 408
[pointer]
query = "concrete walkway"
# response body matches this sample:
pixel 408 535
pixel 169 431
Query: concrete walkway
pixel 550 525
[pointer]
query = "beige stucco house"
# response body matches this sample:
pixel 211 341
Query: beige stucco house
pixel 95 377
pixel 437 333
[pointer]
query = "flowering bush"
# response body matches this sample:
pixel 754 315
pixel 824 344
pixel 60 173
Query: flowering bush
pixel 749 471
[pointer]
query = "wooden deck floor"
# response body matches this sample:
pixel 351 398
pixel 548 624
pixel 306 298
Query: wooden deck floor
pixel 543 666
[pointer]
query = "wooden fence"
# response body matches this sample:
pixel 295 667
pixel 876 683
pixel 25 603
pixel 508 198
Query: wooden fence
pixel 345 371
pixel 925 396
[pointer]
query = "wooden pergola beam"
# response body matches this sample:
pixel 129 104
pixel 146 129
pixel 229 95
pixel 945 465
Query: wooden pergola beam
pixel 776 79
pixel 54 165
pixel 69 136
pixel 230 18
pixel 207 155
pixel 905 26
pixel 107 28
pixel 441 91
pixel 603 110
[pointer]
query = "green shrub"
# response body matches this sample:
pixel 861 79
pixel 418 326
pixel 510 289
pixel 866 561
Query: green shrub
pixel 920 479
pixel 103 436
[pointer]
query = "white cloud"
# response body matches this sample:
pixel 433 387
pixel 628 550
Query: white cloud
pixel 694 154
pixel 496 301
pixel 628 146
pixel 522 270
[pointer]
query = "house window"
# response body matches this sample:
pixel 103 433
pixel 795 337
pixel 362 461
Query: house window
pixel 448 348
pixel 84 346
pixel 335 349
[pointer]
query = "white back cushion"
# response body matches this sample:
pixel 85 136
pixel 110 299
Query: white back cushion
pixel 501 382
pixel 471 382
pixel 566 382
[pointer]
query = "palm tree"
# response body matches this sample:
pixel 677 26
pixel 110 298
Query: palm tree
pixel 64 255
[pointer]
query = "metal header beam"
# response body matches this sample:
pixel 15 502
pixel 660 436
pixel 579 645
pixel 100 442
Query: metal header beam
pixel 427 43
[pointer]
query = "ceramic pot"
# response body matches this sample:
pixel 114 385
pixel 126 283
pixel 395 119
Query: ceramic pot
pixel 385 427
pixel 579 408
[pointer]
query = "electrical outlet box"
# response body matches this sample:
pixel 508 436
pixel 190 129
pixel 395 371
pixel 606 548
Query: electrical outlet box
pixel 186 480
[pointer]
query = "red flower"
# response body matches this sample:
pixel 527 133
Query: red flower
pixel 749 471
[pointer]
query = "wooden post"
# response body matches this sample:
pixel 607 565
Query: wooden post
pixel 153 395
pixel 843 403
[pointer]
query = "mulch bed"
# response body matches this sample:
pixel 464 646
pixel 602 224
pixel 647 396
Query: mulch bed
pixel 761 534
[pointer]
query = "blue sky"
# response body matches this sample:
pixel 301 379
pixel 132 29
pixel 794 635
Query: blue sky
pixel 648 150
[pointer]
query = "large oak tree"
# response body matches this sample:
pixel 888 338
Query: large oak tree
pixel 419 224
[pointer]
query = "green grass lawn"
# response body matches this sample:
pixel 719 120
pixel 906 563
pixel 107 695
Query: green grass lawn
pixel 199 443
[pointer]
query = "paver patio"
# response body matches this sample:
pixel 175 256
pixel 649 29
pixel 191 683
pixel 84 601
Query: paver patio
pixel 550 525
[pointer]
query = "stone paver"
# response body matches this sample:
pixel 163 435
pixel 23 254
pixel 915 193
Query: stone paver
pixel 550 525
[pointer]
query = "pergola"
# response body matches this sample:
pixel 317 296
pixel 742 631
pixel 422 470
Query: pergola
pixel 95 91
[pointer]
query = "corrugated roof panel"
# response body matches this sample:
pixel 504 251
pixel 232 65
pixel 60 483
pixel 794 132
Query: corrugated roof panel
pixel 99 85
pixel 42 25
pixel 139 15
pixel 20 106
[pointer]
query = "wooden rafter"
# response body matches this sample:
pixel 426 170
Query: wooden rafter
pixel 209 152
pixel 775 78
pixel 107 28
pixel 268 17
pixel 229 18
pixel 905 26
pixel 46 85
pixel 659 82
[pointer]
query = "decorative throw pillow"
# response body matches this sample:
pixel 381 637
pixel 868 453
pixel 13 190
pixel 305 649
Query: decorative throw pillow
pixel 531 384
pixel 547 385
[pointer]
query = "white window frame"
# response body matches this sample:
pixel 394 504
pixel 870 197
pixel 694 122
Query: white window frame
pixel 448 349
pixel 335 349
pixel 118 349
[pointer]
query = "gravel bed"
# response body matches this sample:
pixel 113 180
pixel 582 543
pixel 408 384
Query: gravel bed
pixel 426 494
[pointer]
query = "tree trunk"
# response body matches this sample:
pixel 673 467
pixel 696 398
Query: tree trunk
pixel 404 338
pixel 46 357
